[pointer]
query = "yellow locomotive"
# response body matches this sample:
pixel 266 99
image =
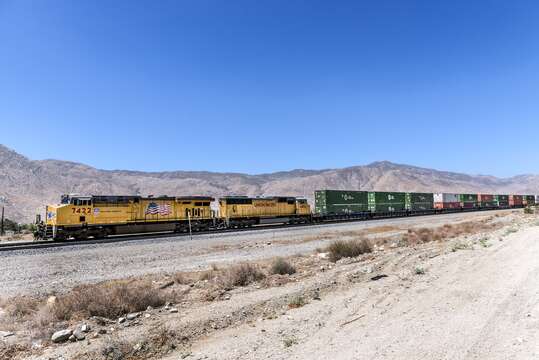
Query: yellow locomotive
pixel 98 216
pixel 243 211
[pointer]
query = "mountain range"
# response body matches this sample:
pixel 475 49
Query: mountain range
pixel 26 185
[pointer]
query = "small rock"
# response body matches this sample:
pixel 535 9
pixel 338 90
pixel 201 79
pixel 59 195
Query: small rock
pixel 132 316
pixel 85 328
pixel 121 320
pixel 101 320
pixel 79 334
pixel 61 336
pixel 147 316
pixel 173 310
pixel 72 338
pixel 166 284
pixel 102 331
pixel 149 308
pixel 5 334
pixel 51 301
pixel 323 255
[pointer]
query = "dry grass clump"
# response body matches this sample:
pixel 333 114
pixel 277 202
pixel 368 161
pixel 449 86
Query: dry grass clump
pixel 296 302
pixel 211 274
pixel 447 231
pixel 339 249
pixel 20 307
pixel 282 267
pixel 110 299
pixel 241 275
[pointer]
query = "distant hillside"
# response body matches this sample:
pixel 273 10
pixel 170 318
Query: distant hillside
pixel 26 185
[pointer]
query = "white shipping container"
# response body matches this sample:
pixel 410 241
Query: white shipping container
pixel 446 198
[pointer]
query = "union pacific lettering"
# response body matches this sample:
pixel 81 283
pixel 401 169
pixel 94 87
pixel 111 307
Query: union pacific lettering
pixel 264 203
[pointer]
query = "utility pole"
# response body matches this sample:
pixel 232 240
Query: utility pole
pixel 2 223
pixel 190 231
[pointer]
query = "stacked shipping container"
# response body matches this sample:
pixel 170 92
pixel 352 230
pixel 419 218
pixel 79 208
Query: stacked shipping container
pixel 446 201
pixel 419 201
pixel 341 202
pixel 468 201
pixel 486 200
pixel 386 202
pixel 528 200
pixel 501 200
pixel 516 200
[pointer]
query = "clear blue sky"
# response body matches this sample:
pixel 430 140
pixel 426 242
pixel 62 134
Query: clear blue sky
pixel 260 86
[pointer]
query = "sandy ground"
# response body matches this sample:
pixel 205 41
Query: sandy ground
pixel 470 304
pixel 58 269
pixel 479 301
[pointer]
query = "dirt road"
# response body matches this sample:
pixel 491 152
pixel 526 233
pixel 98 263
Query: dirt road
pixel 470 304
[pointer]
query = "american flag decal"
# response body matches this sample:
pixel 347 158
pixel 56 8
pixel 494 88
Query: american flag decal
pixel 161 209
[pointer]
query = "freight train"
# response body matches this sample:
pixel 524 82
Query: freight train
pixel 81 217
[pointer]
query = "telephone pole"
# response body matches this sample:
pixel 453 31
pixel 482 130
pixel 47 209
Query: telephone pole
pixel 2 223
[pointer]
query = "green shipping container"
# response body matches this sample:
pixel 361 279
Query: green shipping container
pixel 469 200
pixel 529 200
pixel 419 201
pixel 340 202
pixel 387 201
pixel 501 200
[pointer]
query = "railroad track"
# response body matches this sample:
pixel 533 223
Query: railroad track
pixel 44 244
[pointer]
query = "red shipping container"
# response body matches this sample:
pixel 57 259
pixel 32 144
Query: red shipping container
pixel 516 200
pixel 447 205
pixel 469 205
pixel 485 197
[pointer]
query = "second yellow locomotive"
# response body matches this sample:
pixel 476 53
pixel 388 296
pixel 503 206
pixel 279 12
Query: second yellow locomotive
pixel 243 211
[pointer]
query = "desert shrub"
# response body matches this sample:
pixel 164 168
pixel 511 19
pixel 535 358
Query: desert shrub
pixel 484 242
pixel 459 246
pixel 290 341
pixel 282 267
pixel 339 249
pixel 110 299
pixel 241 275
pixel 208 275
pixel 20 307
pixel 296 302
pixel 419 270
pixel 528 210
